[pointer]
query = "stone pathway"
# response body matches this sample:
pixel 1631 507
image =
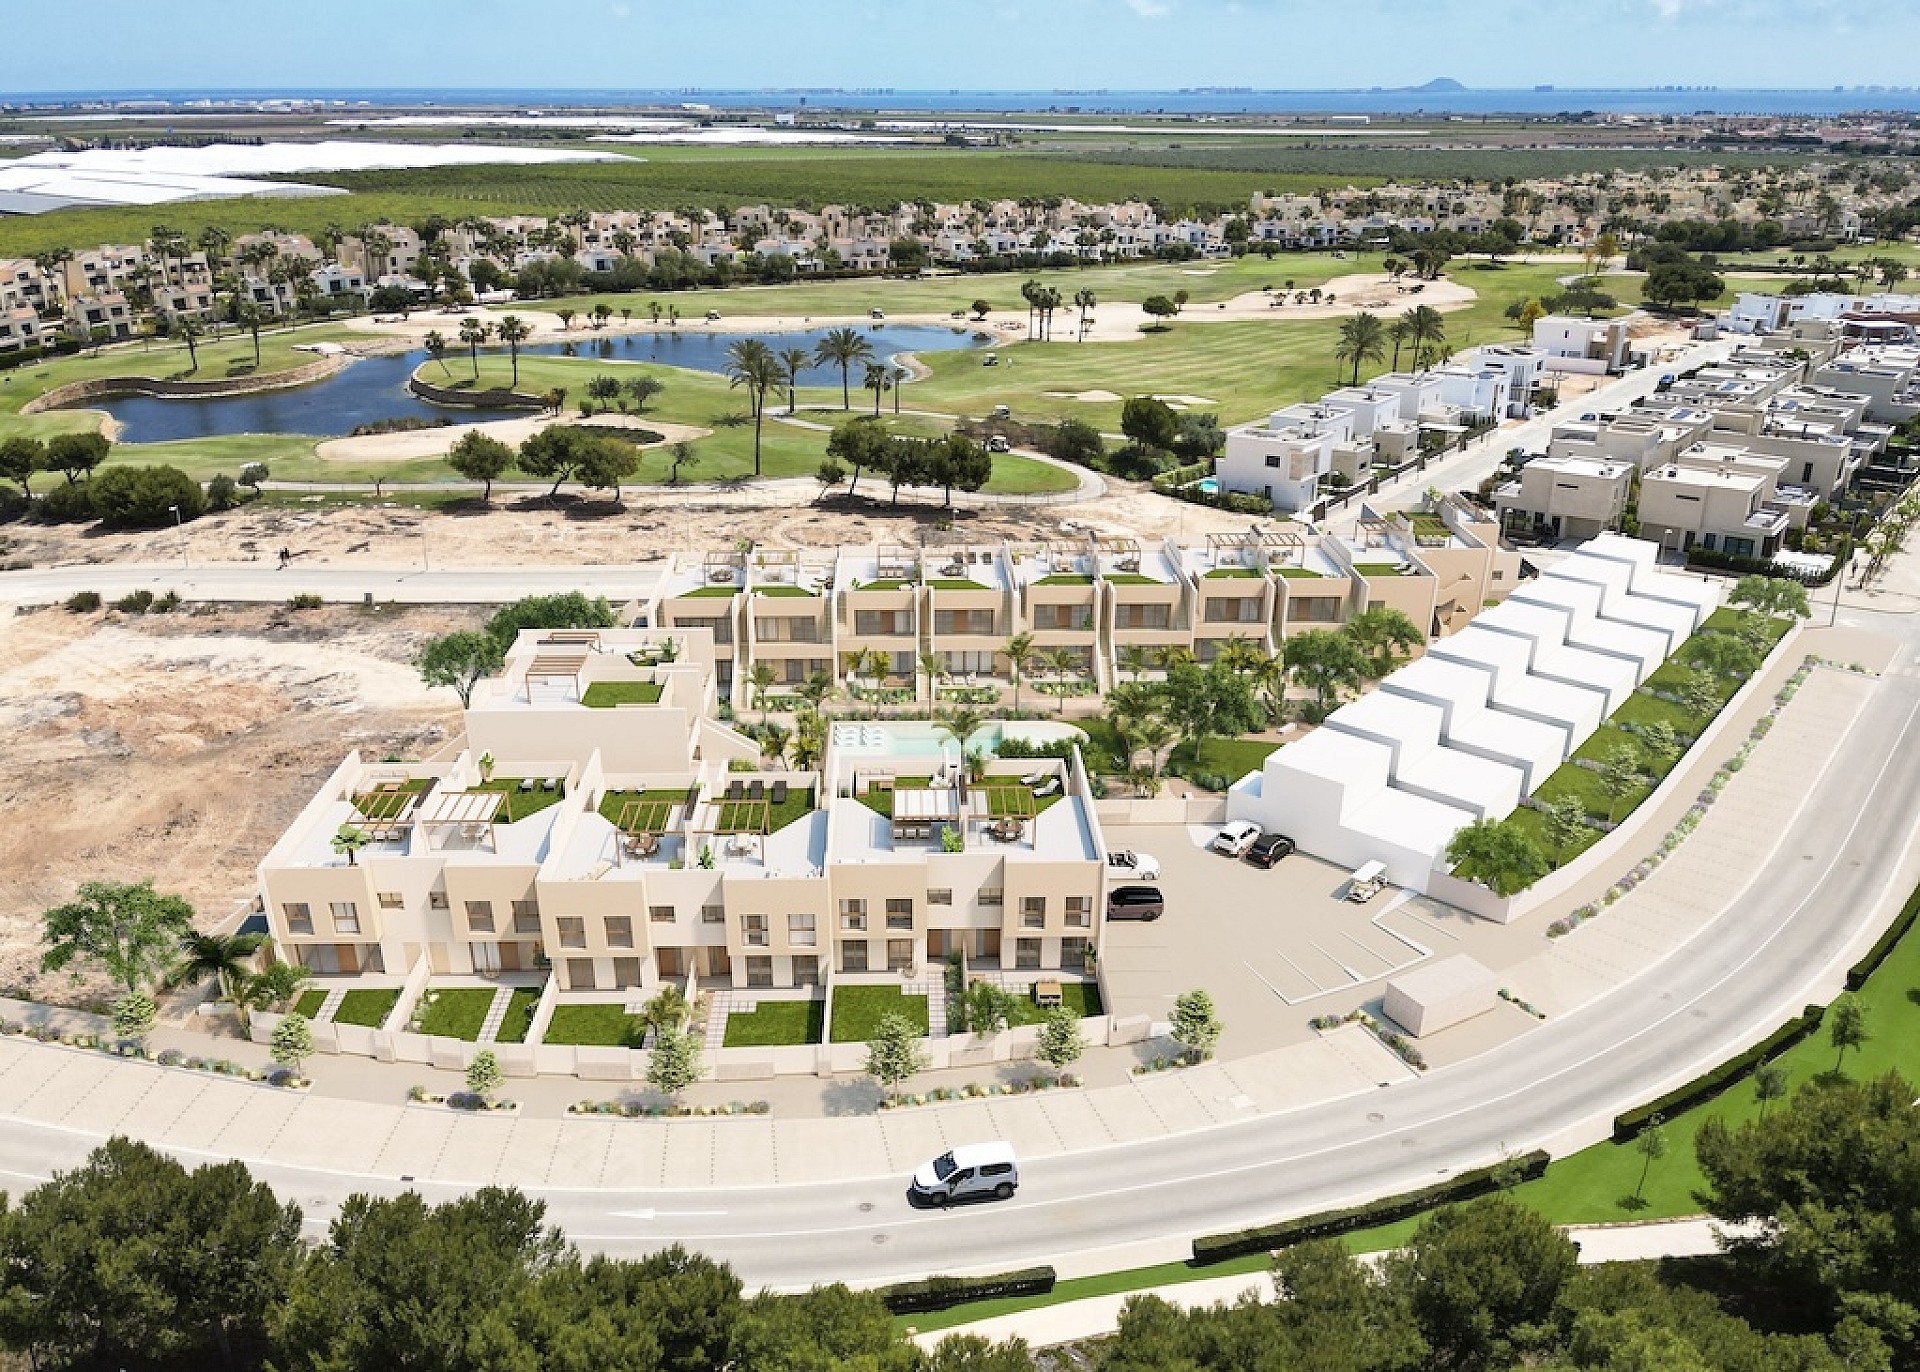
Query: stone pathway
pixel 496 1015
pixel 331 1005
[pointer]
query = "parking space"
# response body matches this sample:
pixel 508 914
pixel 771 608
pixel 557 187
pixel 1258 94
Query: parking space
pixel 1273 947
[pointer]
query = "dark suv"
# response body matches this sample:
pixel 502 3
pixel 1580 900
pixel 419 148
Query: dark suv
pixel 1268 849
pixel 1135 902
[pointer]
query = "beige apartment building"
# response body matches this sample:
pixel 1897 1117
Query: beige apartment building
pixel 880 621
pixel 599 822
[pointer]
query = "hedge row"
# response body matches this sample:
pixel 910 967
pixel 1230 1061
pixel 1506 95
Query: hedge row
pixel 1707 1085
pixel 938 1293
pixel 1858 973
pixel 1717 561
pixel 1333 1223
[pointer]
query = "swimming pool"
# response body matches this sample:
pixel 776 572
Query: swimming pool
pixel 1207 485
pixel 921 738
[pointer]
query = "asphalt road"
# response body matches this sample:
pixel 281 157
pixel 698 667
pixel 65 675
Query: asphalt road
pixel 1745 973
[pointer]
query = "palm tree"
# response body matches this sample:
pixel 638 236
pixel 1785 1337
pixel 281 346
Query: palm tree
pixel 1363 338
pixel 958 722
pixel 219 958
pixel 436 345
pixel 1426 332
pixel 474 332
pixel 349 840
pixel 751 363
pixel 277 986
pixel 513 331
pixel 761 677
pixel 1084 300
pixel 842 348
pixel 247 315
pixel 190 330
pixel 795 360
pixel 1061 663
pixel 773 743
pixel 1135 659
pixel 1019 651
pixel 1397 331
pixel 877 380
pixel 1153 736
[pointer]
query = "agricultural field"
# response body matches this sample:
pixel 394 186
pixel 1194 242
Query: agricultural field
pixel 1348 165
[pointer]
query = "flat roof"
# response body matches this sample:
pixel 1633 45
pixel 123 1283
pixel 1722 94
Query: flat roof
pixel 1535 748
pixel 1448 774
pixel 1392 718
pixel 1502 655
pixel 1536 624
pixel 1336 756
pixel 1401 819
pixel 1614 677
pixel 1457 688
pixel 1433 982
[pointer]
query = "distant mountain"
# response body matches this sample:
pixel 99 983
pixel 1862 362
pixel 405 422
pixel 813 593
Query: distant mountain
pixel 1440 85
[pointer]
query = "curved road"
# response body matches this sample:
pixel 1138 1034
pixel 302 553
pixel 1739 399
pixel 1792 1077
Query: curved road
pixel 1741 975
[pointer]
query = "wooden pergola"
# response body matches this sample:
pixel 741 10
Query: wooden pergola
pixel 465 814
pixel 560 666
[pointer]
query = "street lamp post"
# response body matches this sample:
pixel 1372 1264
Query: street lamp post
pixel 175 511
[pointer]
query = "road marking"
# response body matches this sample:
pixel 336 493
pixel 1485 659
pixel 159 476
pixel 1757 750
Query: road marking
pixel 662 1214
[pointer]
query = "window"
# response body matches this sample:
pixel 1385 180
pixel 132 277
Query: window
pixel 1079 912
pixel 853 955
pixel 1320 609
pixel 940 897
pixel 760 971
pixel 573 933
pixel 899 913
pixel 853 907
pixel 992 895
pixel 480 916
pixel 436 900
pixel 299 916
pixel 580 973
pixel 1273 459
pixel 753 931
pixel 346 917
pixel 899 954
pixel 392 900
pixel 806 970
pixel 660 914
pixel 619 931
pixel 626 972
pixel 526 917
pixel 1033 911
pixel 713 914
pixel 1026 953
pixel 800 930
pixel 1073 954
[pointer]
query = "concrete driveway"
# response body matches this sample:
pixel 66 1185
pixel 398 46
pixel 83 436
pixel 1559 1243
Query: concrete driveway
pixel 1277 947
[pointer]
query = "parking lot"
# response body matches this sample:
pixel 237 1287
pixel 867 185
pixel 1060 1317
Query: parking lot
pixel 1273 947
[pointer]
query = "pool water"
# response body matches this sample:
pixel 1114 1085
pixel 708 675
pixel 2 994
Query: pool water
pixel 370 389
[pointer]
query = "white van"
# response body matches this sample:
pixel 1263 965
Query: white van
pixel 1367 881
pixel 973 1171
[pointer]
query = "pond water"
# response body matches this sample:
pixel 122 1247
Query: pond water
pixel 375 388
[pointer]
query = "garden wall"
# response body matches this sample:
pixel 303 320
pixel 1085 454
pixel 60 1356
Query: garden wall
pixel 499 398
pixel 1163 810
pixel 107 387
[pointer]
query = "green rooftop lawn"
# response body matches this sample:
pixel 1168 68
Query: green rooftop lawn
pixel 776 1022
pixel 1298 574
pixel 857 1011
pixel 604 695
pixel 1232 573
pixel 455 1012
pixel 709 592
pixel 367 1008
pixel 957 583
pixel 594 1026
pixel 778 589
pixel 745 816
pixel 891 583
pixel 520 803
pixel 1065 579
pixel 660 809
pixel 387 804
pixel 519 1017
pixel 1129 579
pixel 1378 569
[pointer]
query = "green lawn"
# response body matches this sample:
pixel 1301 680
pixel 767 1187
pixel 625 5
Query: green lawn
pixel 1081 997
pixel 788 591
pixel 309 1003
pixel 658 808
pixel 1129 579
pixel 1231 758
pixel 604 695
pixel 776 1022
pixel 746 816
pixel 521 803
pixel 519 1016
pixel 1065 579
pixel 367 1008
pixel 454 1012
pixel 1378 569
pixel 955 584
pixel 1296 574
pixel 857 1011
pixel 1232 573
pixel 594 1026
pixel 710 592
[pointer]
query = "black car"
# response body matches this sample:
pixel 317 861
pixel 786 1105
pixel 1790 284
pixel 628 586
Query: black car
pixel 1268 849
pixel 1135 902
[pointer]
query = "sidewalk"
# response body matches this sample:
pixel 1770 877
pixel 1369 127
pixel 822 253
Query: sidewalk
pixel 1096 1316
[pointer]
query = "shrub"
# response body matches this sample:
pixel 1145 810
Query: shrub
pixel 166 604
pixel 467 1100
pixel 13 503
pixel 69 504
pixel 1333 1223
pixel 145 497
pixel 306 600
pixel 1708 1084
pixel 223 492
pixel 1858 973
pixel 83 602
pixel 939 1293
pixel 134 602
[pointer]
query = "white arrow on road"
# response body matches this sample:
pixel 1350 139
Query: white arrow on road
pixel 661 1214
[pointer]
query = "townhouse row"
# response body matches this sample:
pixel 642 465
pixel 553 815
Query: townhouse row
pixel 599 823
pixel 936 621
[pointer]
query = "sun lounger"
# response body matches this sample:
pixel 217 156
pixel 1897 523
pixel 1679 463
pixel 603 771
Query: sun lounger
pixel 736 790
pixel 779 795
pixel 526 785
pixel 1053 784
pixel 757 790
pixel 1034 778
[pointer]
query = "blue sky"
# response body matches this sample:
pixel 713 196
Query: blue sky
pixel 940 44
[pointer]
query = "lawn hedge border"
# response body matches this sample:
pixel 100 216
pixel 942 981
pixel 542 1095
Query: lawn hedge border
pixel 1884 945
pixel 1480 1181
pixel 940 1293
pixel 1703 1088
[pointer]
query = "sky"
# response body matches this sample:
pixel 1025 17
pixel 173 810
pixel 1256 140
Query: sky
pixel 143 45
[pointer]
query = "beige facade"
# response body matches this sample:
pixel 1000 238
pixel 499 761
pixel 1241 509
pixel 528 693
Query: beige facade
pixel 598 821
pixel 1565 497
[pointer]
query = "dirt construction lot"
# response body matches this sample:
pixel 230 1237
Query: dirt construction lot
pixel 178 746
